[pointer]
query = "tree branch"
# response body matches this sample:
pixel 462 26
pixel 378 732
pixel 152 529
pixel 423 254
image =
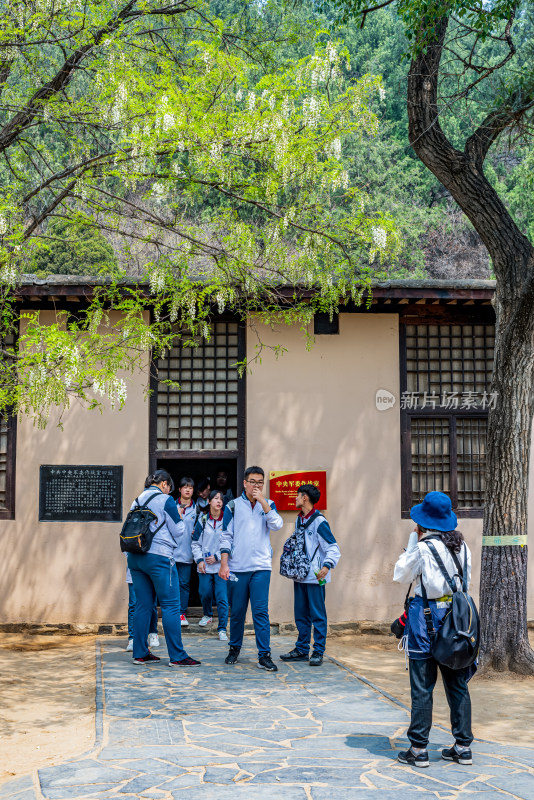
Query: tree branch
pixel 461 172
pixel 64 75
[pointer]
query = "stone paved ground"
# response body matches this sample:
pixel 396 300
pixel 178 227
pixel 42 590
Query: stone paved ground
pixel 237 732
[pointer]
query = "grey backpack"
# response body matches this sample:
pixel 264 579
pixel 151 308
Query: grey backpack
pixel 294 561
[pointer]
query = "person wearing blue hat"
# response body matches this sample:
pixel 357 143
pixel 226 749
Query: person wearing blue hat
pixel 434 519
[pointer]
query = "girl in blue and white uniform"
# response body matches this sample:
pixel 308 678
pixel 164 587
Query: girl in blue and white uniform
pixel 183 554
pixel 154 574
pixel 207 554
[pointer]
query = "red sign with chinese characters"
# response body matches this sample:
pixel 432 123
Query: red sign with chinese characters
pixel 283 487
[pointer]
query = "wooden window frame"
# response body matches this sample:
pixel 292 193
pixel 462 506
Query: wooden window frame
pixel 11 459
pixel 11 467
pixel 406 416
pixel 239 454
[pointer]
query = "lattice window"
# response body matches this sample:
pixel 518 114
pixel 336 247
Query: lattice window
pixel 431 458
pixel 7 455
pixel 444 443
pixel 471 461
pixel 204 413
pixel 449 358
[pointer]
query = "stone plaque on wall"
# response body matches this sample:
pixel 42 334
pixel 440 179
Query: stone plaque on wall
pixel 80 493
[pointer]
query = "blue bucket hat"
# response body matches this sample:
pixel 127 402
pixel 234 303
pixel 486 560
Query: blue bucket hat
pixel 435 513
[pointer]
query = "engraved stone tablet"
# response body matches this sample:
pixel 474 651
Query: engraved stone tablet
pixel 77 493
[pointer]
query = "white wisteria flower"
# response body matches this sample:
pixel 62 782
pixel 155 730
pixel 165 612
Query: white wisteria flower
pixel 157 281
pixel 379 237
pixel 9 275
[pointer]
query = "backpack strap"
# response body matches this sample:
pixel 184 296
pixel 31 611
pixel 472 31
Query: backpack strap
pixel 309 521
pixel 427 612
pixel 145 505
pixel 450 581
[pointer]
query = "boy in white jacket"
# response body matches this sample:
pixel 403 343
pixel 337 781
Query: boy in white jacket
pixel 309 593
pixel 246 550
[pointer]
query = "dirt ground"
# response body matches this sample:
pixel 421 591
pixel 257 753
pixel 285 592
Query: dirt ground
pixel 503 707
pixel 47 700
pixel 47 696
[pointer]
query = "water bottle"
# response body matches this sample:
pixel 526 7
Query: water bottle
pixel 320 582
pixel 233 578
pixel 207 554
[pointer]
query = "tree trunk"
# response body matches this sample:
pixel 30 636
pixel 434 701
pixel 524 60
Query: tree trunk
pixel 504 569
pixel 503 583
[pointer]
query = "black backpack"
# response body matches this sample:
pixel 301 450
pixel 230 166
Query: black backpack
pixel 294 561
pixel 136 536
pixel 456 643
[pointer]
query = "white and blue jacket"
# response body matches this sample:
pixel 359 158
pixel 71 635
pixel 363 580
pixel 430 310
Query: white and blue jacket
pixel 183 553
pixel 169 535
pixel 207 539
pixel 321 547
pixel 246 535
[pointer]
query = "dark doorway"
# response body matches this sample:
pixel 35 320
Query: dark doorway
pixel 197 468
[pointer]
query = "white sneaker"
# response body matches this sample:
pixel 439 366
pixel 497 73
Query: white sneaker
pixel 153 640
pixel 222 636
pixel 205 621
pixel 130 645
pixel 183 620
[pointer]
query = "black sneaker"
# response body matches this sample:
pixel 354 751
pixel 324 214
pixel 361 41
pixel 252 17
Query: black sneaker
pixel 452 754
pixel 266 662
pixel 232 656
pixel 295 655
pixel 316 659
pixel 148 659
pixel 408 757
pixel 185 662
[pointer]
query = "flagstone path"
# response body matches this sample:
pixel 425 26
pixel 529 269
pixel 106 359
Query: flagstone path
pixel 237 732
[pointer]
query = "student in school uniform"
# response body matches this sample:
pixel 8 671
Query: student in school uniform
pixel 246 551
pixel 183 554
pixel 309 593
pixel 206 547
pixel 203 493
pixel 154 574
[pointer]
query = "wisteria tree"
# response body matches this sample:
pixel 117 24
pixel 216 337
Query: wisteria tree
pixel 162 123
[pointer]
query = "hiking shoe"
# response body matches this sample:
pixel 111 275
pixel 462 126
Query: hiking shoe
pixel 409 757
pixel 129 646
pixel 266 662
pixel 148 659
pixel 153 640
pixel 294 655
pixel 205 621
pixel 316 659
pixel 452 754
pixel 183 621
pixel 185 662
pixel 232 656
pixel 223 636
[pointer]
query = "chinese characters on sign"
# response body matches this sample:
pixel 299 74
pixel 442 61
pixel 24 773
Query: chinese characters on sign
pixel 449 401
pixel 283 487
pixel 80 493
